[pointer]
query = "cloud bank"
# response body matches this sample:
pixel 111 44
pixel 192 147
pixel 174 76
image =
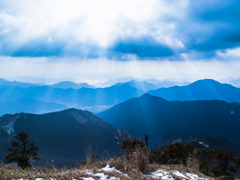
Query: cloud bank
pixel 146 29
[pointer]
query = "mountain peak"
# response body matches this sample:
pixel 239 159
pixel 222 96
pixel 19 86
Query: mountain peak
pixel 149 96
pixel 67 134
pixel 206 81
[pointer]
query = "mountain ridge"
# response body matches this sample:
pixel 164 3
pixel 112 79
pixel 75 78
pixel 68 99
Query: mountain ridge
pixel 64 134
pixel 158 117
pixel 205 89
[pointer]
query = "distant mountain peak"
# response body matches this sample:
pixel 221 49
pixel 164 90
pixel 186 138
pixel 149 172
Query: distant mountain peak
pixel 207 80
pixel 149 96
pixel 69 84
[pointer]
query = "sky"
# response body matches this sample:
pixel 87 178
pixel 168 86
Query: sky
pixel 97 40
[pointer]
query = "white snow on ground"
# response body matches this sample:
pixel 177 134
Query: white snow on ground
pixel 159 174
pixel 203 144
pixel 79 118
pixel 101 175
pixel 10 127
pixel 167 175
pixel 107 168
pixel 179 174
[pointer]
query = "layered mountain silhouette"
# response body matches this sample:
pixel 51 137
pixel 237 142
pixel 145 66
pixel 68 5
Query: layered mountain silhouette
pixel 82 97
pixel 206 89
pixel 28 105
pixel 70 134
pixel 68 84
pixel 201 142
pixel 142 85
pixel 4 82
pixel 160 118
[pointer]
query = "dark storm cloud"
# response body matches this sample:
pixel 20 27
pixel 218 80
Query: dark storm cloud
pixel 213 25
pixel 144 47
pixel 44 47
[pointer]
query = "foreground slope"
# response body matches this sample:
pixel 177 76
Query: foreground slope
pixel 160 118
pixel 70 134
pixel 206 89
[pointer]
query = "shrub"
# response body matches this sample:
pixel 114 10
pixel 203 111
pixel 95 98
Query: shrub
pixel 22 151
pixel 129 146
pixel 218 162
pixel 137 154
pixel 173 154
pixel 91 159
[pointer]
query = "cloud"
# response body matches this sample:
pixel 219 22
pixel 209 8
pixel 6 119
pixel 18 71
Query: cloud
pixel 86 28
pixel 145 29
pixel 213 25
pixel 146 47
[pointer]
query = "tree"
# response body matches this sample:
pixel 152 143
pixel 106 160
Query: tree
pixel 22 151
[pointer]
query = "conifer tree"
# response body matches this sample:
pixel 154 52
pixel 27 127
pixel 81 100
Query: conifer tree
pixel 22 151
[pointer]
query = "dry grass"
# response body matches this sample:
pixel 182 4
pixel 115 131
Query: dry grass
pixel 129 167
pixel 10 172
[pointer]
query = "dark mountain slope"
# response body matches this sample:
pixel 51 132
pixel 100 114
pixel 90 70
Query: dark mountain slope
pixel 66 134
pixel 160 118
pixel 206 89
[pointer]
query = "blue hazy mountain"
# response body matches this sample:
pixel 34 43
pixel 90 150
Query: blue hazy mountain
pixel 112 82
pixel 67 134
pixel 206 89
pixel 82 97
pixel 68 84
pixel 171 83
pixel 144 86
pixel 160 118
pixel 4 82
pixel 28 105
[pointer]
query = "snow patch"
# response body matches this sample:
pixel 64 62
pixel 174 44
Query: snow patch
pixel 101 175
pixel 167 175
pixel 179 174
pixel 194 176
pixel 159 174
pixel 9 129
pixel 108 169
pixel 203 144
pixel 79 118
pixel 162 174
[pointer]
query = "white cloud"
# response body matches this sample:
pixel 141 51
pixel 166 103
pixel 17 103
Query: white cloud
pixel 81 21
pixel 235 52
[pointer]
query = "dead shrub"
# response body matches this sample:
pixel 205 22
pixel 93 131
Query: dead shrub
pixel 142 161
